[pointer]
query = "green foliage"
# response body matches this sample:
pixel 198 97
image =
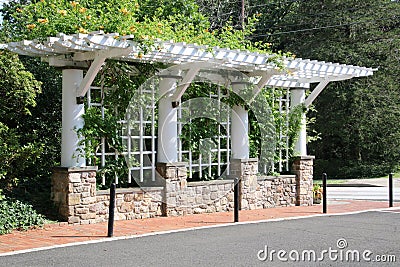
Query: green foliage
pixel 13 153
pixel 145 21
pixel 39 126
pixel 96 128
pixel 18 90
pixel 285 124
pixel 43 127
pixel 16 215
pixel 15 102
pixel 29 130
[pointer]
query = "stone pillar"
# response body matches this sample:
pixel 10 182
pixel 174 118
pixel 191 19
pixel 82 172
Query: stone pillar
pixel 73 192
pixel 297 97
pixel 71 119
pixel 246 170
pixel 175 188
pixel 303 169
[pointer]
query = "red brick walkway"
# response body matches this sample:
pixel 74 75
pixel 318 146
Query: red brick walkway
pixel 58 234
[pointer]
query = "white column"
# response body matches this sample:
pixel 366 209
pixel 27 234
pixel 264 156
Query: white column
pixel 298 96
pixel 239 127
pixel 167 123
pixel 71 119
pixel 239 133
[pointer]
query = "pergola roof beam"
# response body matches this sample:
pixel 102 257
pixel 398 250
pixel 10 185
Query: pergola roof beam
pixel 287 83
pixel 40 48
pixel 109 42
pixel 86 47
pixel 63 61
pixel 69 46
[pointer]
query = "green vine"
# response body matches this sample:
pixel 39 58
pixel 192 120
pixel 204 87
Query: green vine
pixel 295 121
pixel 119 83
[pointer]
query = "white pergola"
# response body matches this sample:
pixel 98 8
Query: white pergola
pixel 76 52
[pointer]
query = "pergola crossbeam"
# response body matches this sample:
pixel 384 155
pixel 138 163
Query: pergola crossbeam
pixel 321 86
pixel 264 80
pixel 184 84
pixel 265 77
pixel 90 76
pixel 317 90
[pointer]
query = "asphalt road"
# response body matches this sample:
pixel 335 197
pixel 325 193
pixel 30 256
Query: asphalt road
pixel 334 239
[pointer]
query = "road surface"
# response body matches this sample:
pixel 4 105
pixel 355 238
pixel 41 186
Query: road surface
pixel 334 240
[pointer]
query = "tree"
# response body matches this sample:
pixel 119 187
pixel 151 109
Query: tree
pixel 268 13
pixel 18 90
pixel 358 120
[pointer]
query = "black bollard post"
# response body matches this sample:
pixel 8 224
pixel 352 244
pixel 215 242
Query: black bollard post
pixel 236 199
pixel 390 190
pixel 324 204
pixel 111 211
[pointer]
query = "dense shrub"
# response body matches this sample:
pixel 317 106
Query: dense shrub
pixel 18 149
pixel 17 215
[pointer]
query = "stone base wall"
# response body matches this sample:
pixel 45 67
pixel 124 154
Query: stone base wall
pixel 75 196
pixel 74 193
pixel 206 197
pixel 131 203
pixel 275 191
pixel 217 196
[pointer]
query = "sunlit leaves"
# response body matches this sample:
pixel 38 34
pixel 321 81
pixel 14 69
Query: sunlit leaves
pixel 145 21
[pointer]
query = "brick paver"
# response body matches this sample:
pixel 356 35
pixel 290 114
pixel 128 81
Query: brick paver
pixel 61 233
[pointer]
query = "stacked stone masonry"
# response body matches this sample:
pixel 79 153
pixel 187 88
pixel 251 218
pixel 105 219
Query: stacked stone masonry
pixel 303 169
pixel 74 193
pixel 132 203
